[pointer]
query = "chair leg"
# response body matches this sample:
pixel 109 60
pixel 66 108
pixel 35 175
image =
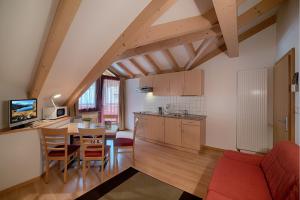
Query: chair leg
pixel 102 169
pixel 58 164
pixel 47 171
pixel 133 152
pixel 83 174
pixel 65 170
pixel 108 164
pixel 78 160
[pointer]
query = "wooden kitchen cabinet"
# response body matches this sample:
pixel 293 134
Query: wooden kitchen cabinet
pixel 194 83
pixel 173 131
pixel 161 85
pixel 155 128
pixel 146 81
pixel 176 83
pixel 191 134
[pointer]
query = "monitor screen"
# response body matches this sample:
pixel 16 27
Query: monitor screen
pixel 23 110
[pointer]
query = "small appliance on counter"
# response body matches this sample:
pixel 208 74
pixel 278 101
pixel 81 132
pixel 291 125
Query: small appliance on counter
pixel 55 112
pixel 160 110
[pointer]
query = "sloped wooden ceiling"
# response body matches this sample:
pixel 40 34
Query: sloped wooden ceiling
pixel 180 38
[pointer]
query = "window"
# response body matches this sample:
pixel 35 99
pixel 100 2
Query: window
pixel 88 100
pixel 110 98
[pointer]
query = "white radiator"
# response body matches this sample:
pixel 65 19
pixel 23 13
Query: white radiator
pixel 252 122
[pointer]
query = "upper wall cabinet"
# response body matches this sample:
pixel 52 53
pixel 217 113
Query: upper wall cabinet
pixel 161 85
pixel 176 83
pixel 194 83
pixel 146 81
pixel 187 83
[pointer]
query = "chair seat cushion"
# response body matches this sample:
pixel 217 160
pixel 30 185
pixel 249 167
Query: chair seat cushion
pixel 239 180
pixel 122 142
pixel 61 153
pixel 97 153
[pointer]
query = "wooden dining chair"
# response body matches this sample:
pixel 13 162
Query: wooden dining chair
pixel 56 148
pixel 93 148
pixel 125 143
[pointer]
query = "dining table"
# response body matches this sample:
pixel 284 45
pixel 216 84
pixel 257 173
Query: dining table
pixel 73 128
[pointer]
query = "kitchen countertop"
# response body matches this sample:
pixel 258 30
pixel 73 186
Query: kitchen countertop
pixel 171 115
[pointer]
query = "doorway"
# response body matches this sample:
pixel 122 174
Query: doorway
pixel 284 99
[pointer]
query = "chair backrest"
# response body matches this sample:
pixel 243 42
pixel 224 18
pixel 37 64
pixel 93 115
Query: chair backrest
pixel 55 140
pixel 113 118
pixel 92 140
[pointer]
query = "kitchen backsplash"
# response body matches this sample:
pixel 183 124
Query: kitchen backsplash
pixel 193 104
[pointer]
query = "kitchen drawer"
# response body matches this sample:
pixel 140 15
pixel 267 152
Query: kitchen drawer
pixel 191 122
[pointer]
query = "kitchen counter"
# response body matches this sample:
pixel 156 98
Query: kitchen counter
pixel 171 115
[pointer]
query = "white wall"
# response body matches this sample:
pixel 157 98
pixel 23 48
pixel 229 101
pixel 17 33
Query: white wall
pixel 21 156
pixel 287 38
pixel 258 51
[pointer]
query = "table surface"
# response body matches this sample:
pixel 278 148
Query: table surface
pixel 73 127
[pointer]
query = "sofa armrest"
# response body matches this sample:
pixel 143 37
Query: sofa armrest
pixel 252 159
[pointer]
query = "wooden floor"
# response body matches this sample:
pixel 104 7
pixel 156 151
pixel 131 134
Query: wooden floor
pixel 187 171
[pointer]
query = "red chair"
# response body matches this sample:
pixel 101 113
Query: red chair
pixel 57 148
pixel 93 149
pixel 125 143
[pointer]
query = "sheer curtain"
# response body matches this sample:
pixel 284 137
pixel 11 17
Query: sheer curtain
pixel 110 96
pixel 88 100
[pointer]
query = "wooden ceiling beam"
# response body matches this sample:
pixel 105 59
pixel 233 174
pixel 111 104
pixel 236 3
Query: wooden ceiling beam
pixel 141 23
pixel 190 49
pixel 257 10
pixel 169 43
pixel 138 66
pixel 113 71
pixel 171 59
pixel 116 71
pixel 227 16
pixel 172 30
pixel 153 63
pixel 64 15
pixel 201 49
pixel 125 69
pixel 243 36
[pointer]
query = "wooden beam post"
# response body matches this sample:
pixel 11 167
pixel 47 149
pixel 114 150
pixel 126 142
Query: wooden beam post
pixel 138 66
pixel 190 49
pixel 64 15
pixel 128 72
pixel 171 59
pixel 250 32
pixel 153 63
pixel 203 46
pixel 227 16
pixel 142 22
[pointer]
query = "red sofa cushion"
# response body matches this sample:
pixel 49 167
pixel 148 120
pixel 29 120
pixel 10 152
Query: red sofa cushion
pixel 122 142
pixel 251 159
pixel 61 153
pixel 235 179
pixel 281 169
pixel 213 195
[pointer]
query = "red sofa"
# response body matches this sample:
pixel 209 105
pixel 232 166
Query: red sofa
pixel 253 177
